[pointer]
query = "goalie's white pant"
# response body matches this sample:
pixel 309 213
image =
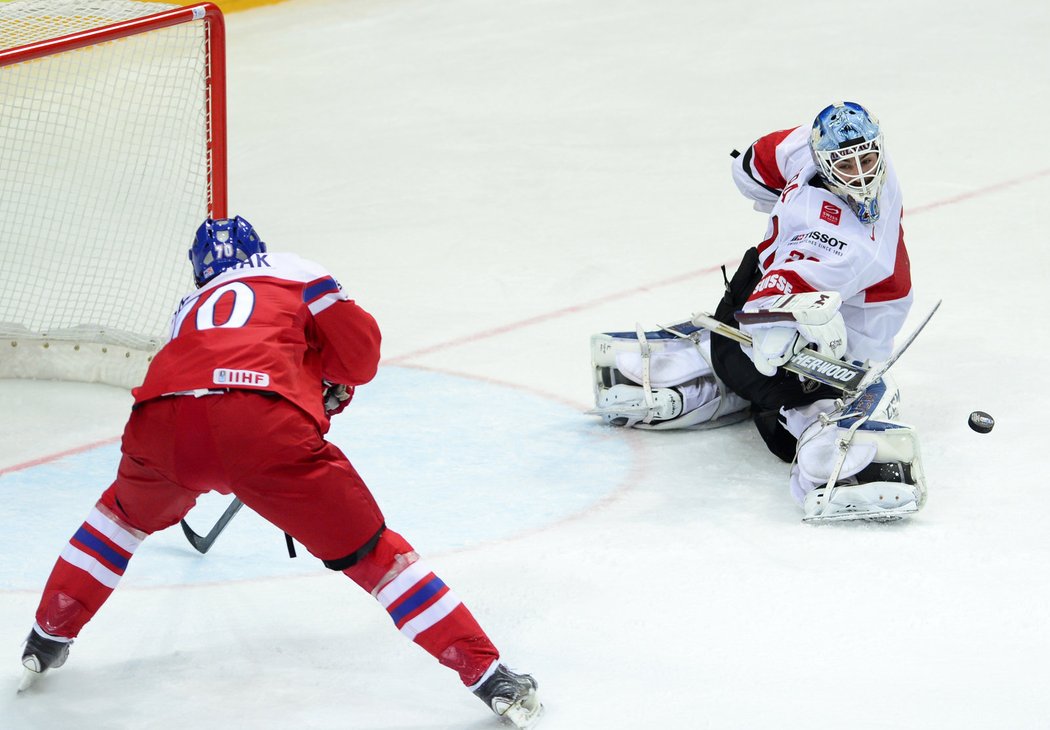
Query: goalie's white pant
pixel 658 381
pixel 863 465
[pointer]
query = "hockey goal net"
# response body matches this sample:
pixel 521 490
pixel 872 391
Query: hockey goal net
pixel 113 144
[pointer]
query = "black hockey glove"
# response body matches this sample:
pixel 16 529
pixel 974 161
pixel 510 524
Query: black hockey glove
pixel 336 397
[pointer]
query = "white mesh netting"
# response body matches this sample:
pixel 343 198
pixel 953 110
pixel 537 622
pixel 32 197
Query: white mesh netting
pixel 104 176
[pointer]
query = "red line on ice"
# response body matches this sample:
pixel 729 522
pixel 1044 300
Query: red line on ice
pixel 59 455
pixel 573 309
pixel 558 313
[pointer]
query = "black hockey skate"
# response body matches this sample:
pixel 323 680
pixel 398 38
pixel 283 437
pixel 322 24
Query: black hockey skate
pixel 41 655
pixel 512 696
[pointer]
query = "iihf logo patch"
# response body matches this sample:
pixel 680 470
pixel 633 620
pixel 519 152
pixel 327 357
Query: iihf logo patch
pixel 251 378
pixel 831 213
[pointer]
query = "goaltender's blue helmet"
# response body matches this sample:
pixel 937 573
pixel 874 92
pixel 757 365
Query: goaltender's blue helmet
pixel 221 243
pixel 846 143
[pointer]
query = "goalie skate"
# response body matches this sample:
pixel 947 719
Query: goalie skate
pixel 860 466
pixel 626 404
pixel 873 502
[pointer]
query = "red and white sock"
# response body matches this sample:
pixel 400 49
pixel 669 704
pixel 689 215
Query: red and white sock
pixel 423 608
pixel 88 569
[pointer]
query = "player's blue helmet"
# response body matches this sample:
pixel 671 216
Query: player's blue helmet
pixel 221 243
pixel 846 143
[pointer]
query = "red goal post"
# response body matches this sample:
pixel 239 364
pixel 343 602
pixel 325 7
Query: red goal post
pixel 112 151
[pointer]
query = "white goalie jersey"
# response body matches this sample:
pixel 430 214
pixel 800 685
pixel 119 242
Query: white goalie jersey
pixel 826 276
pixel 814 242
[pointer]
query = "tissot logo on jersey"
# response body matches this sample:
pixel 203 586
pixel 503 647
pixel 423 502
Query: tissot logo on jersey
pixel 821 240
pixel 225 376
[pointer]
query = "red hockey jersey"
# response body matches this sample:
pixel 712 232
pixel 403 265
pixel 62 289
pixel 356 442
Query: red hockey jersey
pixel 275 323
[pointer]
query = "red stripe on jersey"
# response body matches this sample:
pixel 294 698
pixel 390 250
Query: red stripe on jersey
pixel 780 281
pixel 765 158
pixel 896 285
pixel 775 222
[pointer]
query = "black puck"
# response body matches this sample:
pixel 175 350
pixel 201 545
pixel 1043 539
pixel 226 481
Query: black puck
pixel 981 422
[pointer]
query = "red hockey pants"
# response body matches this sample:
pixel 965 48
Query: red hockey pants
pixel 274 458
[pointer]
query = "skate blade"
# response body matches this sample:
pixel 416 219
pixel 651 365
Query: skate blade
pixel 642 410
pixel 29 678
pixel 522 717
pixel 873 515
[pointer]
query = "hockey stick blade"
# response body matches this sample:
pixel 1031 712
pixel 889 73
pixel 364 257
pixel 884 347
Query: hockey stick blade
pixel 202 544
pixel 877 372
pixel 808 363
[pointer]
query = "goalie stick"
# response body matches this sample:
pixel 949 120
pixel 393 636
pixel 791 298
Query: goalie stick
pixel 808 362
pixel 202 544
pixel 876 373
pixel 851 379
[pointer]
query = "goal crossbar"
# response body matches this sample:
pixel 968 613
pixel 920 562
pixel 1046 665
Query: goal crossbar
pixel 99 198
pixel 208 12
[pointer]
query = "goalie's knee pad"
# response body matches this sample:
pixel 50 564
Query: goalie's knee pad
pixel 660 380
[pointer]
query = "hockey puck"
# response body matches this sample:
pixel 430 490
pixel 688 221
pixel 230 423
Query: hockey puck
pixel 981 422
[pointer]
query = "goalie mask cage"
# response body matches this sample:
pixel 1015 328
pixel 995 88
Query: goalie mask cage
pixel 113 144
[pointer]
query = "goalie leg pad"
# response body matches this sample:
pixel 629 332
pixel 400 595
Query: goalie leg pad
pixel 880 477
pixel 674 359
pixel 660 380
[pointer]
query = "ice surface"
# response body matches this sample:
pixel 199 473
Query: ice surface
pixel 496 181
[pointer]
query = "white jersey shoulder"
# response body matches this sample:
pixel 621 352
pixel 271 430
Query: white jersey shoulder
pixel 760 172
pixel 324 291
pixel 793 154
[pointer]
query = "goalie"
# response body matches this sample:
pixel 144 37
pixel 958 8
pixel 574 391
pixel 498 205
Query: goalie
pixel 831 273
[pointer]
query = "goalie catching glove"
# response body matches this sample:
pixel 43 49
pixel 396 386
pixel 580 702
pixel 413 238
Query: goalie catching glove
pixel 336 397
pixel 782 326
